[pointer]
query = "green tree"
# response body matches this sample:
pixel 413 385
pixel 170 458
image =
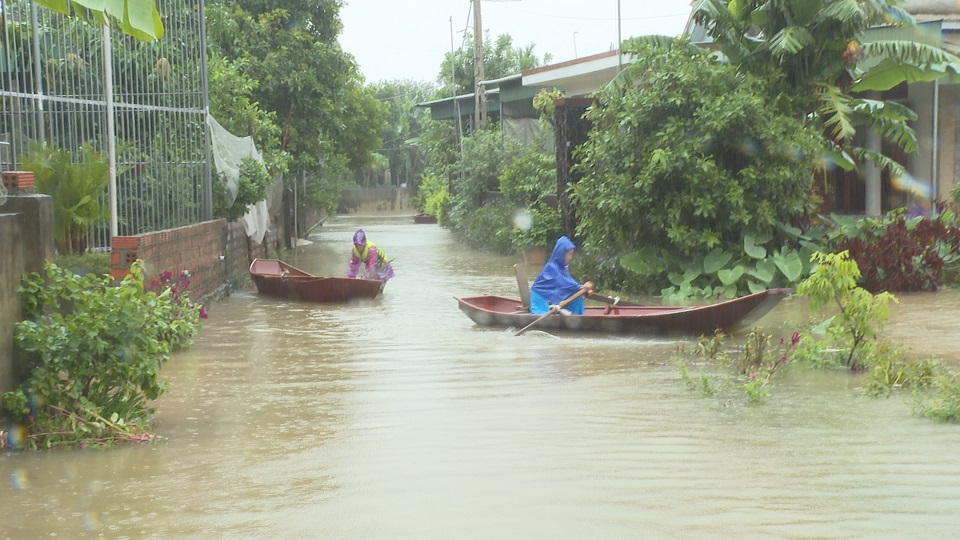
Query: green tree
pixel 327 119
pixel 400 138
pixel 232 104
pixel 690 159
pixel 500 59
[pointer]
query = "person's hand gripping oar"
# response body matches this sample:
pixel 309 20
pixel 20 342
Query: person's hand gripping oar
pixel 554 309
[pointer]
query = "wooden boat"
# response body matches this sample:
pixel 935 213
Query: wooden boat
pixel 276 278
pixel 424 218
pixel 727 316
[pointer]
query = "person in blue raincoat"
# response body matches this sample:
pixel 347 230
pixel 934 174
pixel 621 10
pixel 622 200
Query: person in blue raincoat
pixel 554 284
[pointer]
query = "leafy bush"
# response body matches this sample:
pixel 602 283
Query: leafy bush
pixel 852 341
pixel 485 154
pixel 91 354
pixel 537 226
pixel 530 184
pixel 252 186
pixel 433 196
pixel 97 262
pixel 899 253
pixel 756 362
pixel 76 188
pixel 530 178
pixel 689 159
pixel 484 228
pixel 606 272
pixel 943 403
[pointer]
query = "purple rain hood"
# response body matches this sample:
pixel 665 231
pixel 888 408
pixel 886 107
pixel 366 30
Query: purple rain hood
pixel 359 238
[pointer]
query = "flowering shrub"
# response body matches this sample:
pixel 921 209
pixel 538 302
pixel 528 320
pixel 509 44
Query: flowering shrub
pixel 760 362
pixel 184 315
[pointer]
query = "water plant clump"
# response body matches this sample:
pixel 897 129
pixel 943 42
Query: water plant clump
pixel 756 363
pixel 850 338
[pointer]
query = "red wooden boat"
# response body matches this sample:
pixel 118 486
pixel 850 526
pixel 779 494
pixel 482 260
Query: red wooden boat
pixel 727 316
pixel 276 278
pixel 424 218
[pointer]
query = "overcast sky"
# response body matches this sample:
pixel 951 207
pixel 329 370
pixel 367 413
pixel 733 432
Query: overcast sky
pixel 406 39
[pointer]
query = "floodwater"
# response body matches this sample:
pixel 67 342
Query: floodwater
pixel 397 418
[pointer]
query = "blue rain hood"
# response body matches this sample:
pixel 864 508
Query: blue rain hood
pixel 555 282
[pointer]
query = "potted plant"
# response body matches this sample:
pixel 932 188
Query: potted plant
pixel 535 231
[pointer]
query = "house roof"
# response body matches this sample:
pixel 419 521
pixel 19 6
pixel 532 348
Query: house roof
pixel 579 77
pixel 447 108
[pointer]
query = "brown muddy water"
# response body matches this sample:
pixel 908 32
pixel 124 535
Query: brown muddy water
pixel 398 418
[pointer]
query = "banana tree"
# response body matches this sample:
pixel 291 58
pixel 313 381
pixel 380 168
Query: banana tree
pixel 822 52
pixel 137 18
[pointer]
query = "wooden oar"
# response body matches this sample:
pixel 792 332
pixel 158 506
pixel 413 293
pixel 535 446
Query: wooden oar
pixel 553 309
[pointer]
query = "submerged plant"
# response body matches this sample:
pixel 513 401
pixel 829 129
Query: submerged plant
pixel 756 363
pixel 860 316
pixel 944 403
pixel 760 362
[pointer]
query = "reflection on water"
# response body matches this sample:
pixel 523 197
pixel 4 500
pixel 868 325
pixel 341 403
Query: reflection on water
pixel 397 418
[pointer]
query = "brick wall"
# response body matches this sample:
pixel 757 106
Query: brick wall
pixel 217 255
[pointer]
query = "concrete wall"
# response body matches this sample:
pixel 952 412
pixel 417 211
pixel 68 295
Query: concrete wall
pixel 362 201
pixel 26 241
pixel 10 269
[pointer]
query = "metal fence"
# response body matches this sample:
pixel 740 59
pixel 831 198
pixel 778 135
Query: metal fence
pixel 70 83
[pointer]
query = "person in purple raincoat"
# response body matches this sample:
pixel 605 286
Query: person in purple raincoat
pixel 554 284
pixel 366 254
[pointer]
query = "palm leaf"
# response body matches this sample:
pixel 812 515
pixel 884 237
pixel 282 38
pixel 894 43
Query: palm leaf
pixel 789 40
pixel 716 11
pixel 883 12
pixel 621 81
pixel 890 120
pixel 845 11
pixel 889 63
pixel 879 160
pixel 836 110
pixel 839 157
pixel 137 18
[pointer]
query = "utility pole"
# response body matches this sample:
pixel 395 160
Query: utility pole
pixel 619 40
pixel 480 98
